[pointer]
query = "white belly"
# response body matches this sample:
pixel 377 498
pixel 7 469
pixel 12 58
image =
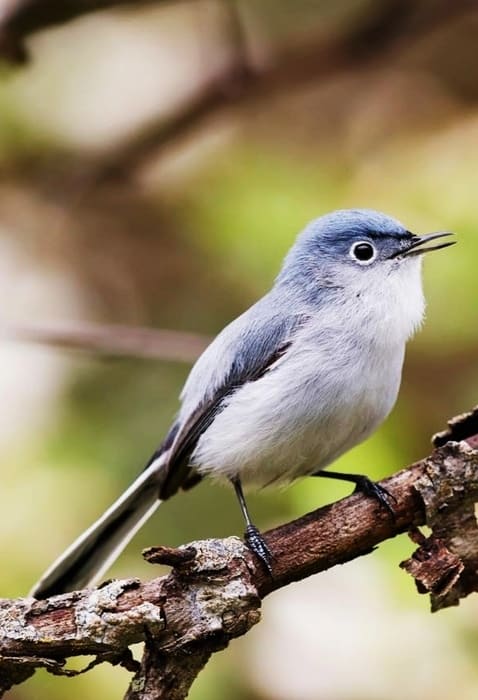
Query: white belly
pixel 300 417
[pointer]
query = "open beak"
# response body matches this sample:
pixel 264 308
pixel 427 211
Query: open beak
pixel 417 242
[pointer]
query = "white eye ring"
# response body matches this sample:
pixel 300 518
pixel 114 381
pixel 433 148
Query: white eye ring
pixel 360 252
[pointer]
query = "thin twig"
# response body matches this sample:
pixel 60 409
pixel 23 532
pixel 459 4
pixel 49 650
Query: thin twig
pixel 113 340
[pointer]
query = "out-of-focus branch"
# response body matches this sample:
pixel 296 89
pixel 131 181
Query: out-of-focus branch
pixel 131 341
pixel 375 38
pixel 372 38
pixel 213 593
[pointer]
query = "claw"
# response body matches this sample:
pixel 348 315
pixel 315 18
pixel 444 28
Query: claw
pixel 380 493
pixel 258 546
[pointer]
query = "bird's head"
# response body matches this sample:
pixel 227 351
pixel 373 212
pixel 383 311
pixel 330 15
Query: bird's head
pixel 363 253
pixel 357 245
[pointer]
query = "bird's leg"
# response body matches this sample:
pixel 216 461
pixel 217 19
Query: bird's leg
pixel 366 486
pixel 252 536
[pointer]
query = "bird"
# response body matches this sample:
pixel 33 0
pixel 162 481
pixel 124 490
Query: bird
pixel 302 376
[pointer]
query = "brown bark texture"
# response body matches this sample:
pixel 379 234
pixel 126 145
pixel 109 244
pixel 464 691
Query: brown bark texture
pixel 214 590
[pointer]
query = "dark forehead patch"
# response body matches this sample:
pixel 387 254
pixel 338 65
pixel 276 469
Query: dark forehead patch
pixel 357 233
pixel 380 235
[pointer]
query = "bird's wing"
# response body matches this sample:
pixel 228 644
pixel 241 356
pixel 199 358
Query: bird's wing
pixel 243 352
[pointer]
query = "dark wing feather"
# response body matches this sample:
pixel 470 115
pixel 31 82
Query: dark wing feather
pixel 254 356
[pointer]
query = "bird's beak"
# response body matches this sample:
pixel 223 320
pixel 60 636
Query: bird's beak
pixel 415 247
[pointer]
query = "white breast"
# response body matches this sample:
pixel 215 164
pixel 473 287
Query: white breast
pixel 331 390
pixel 317 403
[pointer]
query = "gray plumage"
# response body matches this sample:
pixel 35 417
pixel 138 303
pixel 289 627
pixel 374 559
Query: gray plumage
pixel 305 374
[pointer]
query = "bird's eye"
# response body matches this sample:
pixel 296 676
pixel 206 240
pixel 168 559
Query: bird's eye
pixel 364 253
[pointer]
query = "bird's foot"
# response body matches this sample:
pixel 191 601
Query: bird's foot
pixel 258 546
pixel 374 490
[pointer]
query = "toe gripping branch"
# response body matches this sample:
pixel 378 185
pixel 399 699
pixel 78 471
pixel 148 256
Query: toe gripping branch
pixel 258 546
pixel 378 492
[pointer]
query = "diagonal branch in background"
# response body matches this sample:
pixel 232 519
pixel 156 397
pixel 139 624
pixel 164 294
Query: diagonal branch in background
pixel 213 593
pixel 377 36
pixel 379 33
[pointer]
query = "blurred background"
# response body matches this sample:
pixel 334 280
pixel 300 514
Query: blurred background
pixel 156 161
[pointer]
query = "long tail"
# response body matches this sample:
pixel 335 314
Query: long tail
pixel 97 548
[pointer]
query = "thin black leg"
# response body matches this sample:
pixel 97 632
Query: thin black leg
pixel 366 486
pixel 252 536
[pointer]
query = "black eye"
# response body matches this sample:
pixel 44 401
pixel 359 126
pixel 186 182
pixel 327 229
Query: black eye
pixel 363 252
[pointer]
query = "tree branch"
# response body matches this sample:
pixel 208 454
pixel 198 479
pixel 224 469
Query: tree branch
pixel 376 37
pixel 214 591
pixel 111 339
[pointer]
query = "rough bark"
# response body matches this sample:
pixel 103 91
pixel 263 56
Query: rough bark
pixel 214 591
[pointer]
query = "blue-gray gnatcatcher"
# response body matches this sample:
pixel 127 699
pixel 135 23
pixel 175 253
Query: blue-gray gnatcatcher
pixel 305 374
